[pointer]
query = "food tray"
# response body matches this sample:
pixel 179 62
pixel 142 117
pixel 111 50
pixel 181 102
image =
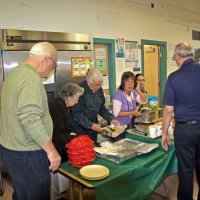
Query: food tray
pixel 113 130
pixel 123 150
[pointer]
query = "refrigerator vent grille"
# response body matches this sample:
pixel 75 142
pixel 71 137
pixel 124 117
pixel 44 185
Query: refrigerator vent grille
pixel 23 40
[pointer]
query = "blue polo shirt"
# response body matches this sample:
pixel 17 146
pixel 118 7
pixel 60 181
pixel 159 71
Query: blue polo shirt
pixel 182 91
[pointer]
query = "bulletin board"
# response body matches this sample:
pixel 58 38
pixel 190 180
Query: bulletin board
pixel 80 66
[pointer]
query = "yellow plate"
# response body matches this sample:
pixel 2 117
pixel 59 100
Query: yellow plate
pixel 94 172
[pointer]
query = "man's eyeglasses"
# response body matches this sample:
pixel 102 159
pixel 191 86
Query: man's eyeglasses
pixel 54 64
pixel 97 84
pixel 173 58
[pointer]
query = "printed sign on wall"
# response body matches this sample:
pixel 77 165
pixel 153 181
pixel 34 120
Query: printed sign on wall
pixel 80 66
pixel 131 55
pixel 120 48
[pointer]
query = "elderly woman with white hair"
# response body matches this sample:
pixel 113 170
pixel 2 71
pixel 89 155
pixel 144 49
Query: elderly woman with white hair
pixel 59 111
pixel 84 114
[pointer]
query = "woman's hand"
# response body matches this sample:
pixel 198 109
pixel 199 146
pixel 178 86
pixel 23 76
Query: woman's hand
pixel 135 113
pixel 137 88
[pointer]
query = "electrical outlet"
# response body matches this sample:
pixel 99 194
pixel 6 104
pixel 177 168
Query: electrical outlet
pixel 25 2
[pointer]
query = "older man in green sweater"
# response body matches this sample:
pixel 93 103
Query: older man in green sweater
pixel 26 127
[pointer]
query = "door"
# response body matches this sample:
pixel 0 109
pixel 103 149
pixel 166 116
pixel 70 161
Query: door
pixel 154 66
pixel 8 61
pixel 11 59
pixel 151 69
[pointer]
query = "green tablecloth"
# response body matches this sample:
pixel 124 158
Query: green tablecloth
pixel 136 178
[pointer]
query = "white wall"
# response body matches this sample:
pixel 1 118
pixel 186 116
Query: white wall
pixel 96 18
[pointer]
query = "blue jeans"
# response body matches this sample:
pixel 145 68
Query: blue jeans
pixel 29 171
pixel 187 146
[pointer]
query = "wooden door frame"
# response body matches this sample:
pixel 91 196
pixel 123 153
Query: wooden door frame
pixel 111 62
pixel 163 62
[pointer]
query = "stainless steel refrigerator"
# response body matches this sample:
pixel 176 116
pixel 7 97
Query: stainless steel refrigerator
pixel 15 45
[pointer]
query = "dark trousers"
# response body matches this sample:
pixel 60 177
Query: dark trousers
pixel 29 171
pixel 187 146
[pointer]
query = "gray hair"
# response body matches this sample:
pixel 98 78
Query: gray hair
pixel 43 49
pixel 70 90
pixel 183 49
pixel 94 74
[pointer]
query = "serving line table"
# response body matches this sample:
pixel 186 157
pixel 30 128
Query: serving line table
pixel 134 179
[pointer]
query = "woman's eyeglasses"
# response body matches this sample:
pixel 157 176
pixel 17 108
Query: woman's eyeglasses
pixel 140 79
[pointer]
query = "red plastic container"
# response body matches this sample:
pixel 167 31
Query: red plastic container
pixel 74 152
pixel 81 151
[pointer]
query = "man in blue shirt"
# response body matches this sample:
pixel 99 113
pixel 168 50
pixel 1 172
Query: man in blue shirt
pixel 182 97
pixel 84 114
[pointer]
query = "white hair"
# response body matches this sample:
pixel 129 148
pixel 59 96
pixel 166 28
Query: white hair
pixel 43 49
pixel 94 74
pixel 70 90
pixel 183 49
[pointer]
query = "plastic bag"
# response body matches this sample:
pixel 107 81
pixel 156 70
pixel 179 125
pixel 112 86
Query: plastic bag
pixel 153 102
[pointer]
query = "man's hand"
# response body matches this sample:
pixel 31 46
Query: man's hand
pixel 165 141
pixel 54 159
pixel 52 154
pixel 116 122
pixel 167 116
pixel 96 127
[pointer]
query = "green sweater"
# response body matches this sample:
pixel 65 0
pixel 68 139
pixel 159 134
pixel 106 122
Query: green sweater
pixel 25 120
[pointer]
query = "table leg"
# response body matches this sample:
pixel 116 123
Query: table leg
pixel 80 191
pixel 166 190
pixel 71 189
pixel 167 196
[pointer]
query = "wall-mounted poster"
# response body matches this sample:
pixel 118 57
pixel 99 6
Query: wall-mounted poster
pixel 120 48
pixel 80 66
pixel 131 54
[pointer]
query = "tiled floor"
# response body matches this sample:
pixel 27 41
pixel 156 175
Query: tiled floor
pixel 171 182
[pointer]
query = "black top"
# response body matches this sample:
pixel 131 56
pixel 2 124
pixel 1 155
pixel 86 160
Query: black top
pixel 59 114
pixel 183 91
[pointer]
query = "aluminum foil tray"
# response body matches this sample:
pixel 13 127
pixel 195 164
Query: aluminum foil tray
pixel 123 150
pixel 113 130
pixel 142 128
